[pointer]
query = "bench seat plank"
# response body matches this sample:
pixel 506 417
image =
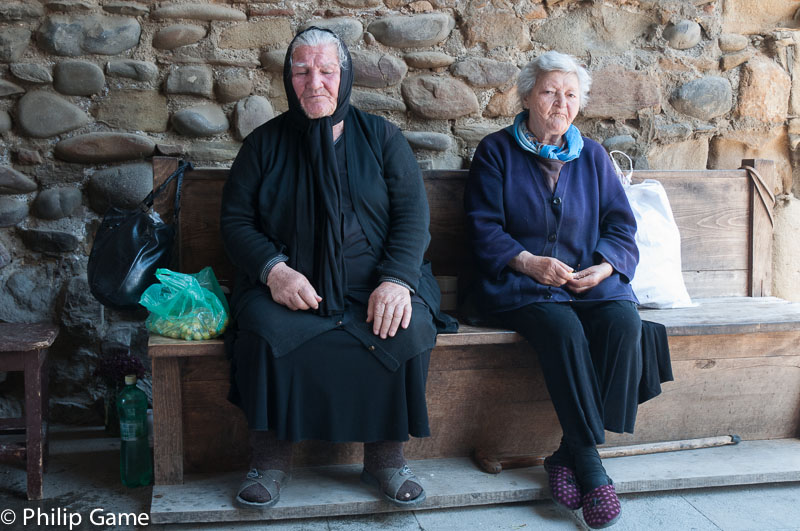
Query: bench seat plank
pixel 721 315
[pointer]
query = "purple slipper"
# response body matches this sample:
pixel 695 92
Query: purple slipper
pixel 563 485
pixel 601 507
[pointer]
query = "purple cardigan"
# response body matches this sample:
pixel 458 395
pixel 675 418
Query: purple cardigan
pixel 510 209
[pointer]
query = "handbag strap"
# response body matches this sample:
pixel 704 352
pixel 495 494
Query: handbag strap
pixel 762 189
pixel 147 202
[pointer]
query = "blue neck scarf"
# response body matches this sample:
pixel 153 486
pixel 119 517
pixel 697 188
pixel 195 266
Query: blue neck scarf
pixel 571 151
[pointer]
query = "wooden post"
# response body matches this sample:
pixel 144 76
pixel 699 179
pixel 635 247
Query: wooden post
pixel 167 421
pixel 34 448
pixel 760 282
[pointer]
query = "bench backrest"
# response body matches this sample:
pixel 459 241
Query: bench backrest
pixel 726 230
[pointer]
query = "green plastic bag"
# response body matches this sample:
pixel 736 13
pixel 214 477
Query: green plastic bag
pixel 183 306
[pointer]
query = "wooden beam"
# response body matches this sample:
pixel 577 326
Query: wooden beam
pixel 167 421
pixel 761 207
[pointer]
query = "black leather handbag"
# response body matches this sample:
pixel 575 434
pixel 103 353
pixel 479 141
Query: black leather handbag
pixel 129 246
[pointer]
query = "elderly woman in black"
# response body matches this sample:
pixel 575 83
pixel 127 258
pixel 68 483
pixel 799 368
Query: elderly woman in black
pixel 553 236
pixel 325 217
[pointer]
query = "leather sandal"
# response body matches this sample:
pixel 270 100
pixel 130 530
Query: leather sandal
pixel 271 480
pixel 389 480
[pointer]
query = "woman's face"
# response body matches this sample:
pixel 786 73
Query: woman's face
pixel 315 79
pixel 553 103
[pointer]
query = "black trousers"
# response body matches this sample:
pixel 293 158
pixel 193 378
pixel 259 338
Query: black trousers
pixel 590 354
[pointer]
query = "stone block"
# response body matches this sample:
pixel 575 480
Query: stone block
pixel 5 122
pixel 80 312
pixel 78 78
pixel 621 94
pixel 138 70
pixel 132 9
pixel 272 60
pixel 683 35
pixel 728 150
pixel 13 11
pixel 42 115
pixel 90 34
pixel 201 120
pixel 251 113
pixel 439 98
pixel 757 16
pixel 49 241
pixel 28 156
pixel 731 42
pixel 7 88
pixel 359 3
pixel 472 134
pixel 193 80
pixel 785 250
pixel 415 31
pixel 624 143
pixel 197 11
pixel 13 43
pixel 373 101
pixel 503 104
pixel 258 34
pixel 348 29
pixel 5 258
pixel 232 87
pixel 732 60
pixel 428 140
pixel 135 110
pixel 764 90
pixel 177 35
pixel 32 73
pixel 603 29
pixel 377 70
pixel 213 151
pixel 500 29
pixel 704 98
pixel 12 211
pixel 485 73
pixel 424 60
pixel 93 148
pixel 68 6
pixel 686 155
pixel 15 182
pixel 122 186
pixel 57 203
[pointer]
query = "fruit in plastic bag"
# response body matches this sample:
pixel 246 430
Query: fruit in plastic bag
pixel 186 306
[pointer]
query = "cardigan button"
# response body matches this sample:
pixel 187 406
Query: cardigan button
pixel 556 201
pixel 338 323
pixel 552 237
pixel 548 296
pixel 372 347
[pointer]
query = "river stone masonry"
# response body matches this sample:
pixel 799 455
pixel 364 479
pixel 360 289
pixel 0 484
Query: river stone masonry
pixel 90 89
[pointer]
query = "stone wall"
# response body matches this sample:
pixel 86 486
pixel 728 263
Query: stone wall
pixel 90 88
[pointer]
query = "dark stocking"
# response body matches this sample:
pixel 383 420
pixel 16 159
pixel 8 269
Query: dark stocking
pixel 269 453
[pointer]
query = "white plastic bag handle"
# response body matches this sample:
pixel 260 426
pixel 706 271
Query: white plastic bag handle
pixel 623 177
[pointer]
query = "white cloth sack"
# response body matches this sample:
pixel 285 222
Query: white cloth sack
pixel 658 282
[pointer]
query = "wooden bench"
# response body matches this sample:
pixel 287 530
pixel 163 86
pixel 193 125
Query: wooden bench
pixel 735 357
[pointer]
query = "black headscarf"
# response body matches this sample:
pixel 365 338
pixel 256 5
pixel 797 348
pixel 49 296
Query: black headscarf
pixel 319 198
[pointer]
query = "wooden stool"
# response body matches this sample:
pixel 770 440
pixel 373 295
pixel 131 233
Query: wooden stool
pixel 23 347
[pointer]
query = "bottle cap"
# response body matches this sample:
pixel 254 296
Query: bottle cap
pixel 130 379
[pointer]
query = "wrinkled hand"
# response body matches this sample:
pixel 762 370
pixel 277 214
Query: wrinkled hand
pixel 389 307
pixel 292 289
pixel 588 278
pixel 543 269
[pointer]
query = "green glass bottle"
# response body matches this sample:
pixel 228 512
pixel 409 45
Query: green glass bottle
pixel 135 462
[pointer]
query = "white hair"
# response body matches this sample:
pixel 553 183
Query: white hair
pixel 318 37
pixel 553 61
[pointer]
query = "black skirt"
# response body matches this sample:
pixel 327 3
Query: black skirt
pixel 330 388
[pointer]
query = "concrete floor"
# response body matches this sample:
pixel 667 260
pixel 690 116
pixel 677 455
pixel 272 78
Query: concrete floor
pixel 83 480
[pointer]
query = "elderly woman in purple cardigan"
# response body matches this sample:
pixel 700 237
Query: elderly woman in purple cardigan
pixel 553 237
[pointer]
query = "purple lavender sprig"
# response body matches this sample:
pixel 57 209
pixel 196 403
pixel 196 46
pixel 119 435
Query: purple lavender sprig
pixel 113 368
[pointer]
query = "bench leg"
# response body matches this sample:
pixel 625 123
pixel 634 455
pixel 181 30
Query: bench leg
pixel 167 421
pixel 34 455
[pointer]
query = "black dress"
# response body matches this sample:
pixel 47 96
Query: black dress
pixel 332 387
